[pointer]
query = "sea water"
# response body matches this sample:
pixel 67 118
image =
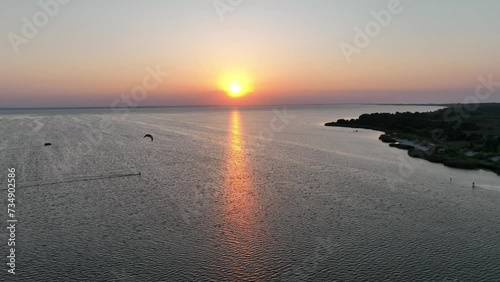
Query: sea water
pixel 240 194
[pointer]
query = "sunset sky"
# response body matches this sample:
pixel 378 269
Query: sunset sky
pixel 282 52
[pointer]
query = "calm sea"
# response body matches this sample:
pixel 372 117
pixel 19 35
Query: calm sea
pixel 237 194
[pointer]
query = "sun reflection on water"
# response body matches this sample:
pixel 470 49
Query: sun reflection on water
pixel 241 229
pixel 240 202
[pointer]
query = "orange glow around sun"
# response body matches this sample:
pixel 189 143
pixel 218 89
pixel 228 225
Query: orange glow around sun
pixel 236 84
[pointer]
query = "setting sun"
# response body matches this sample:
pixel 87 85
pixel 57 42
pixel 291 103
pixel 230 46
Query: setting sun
pixel 236 84
pixel 235 89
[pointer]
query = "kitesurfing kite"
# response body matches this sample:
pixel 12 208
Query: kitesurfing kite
pixel 148 135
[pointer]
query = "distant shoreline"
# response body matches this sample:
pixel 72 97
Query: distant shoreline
pixel 451 136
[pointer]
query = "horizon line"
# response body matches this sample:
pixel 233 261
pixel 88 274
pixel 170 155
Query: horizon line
pixel 228 106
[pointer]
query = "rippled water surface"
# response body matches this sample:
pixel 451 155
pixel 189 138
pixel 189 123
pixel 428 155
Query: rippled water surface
pixel 240 194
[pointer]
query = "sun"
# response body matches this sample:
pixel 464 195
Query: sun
pixel 235 89
pixel 236 84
